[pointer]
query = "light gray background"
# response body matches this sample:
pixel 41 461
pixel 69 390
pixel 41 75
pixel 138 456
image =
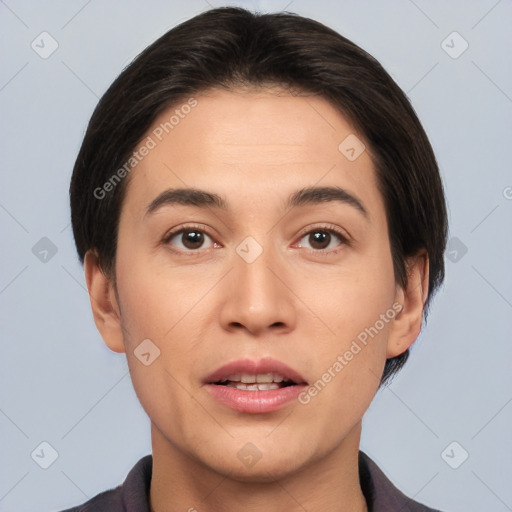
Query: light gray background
pixel 60 384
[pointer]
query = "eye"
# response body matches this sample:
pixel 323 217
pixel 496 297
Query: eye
pixel 322 239
pixel 189 239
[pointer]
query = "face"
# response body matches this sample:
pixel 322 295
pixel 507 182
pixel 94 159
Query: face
pixel 248 238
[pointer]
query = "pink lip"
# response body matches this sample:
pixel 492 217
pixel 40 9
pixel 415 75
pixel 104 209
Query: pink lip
pixel 255 402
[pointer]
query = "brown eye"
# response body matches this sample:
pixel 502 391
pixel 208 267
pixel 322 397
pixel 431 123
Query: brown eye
pixel 322 239
pixel 319 239
pixel 192 239
pixel 189 240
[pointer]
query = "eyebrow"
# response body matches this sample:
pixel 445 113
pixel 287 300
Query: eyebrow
pixel 302 197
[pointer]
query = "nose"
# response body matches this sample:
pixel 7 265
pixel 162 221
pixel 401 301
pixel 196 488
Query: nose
pixel 257 299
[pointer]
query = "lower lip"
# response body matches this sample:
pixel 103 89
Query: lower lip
pixel 255 402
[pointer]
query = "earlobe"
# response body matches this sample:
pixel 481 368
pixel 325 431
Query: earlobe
pixel 407 324
pixel 105 308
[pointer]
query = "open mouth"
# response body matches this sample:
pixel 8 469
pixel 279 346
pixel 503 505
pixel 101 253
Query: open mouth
pixel 255 386
pixel 261 382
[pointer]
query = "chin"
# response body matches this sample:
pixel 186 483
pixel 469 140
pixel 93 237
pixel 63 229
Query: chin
pixel 264 471
pixel 257 462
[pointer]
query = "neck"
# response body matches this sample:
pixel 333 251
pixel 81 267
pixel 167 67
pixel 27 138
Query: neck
pixel 182 483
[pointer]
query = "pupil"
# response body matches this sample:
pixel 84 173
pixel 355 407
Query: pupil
pixel 192 239
pixel 319 239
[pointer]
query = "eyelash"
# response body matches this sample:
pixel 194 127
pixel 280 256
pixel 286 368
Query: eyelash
pixel 333 230
pixel 344 240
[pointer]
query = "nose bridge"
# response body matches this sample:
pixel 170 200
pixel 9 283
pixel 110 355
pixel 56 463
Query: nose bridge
pixel 257 284
pixel 258 299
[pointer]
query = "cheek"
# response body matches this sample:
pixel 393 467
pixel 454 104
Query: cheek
pixel 169 308
pixel 354 298
pixel 154 307
pixel 152 298
pixel 357 306
pixel 347 371
pixel 162 394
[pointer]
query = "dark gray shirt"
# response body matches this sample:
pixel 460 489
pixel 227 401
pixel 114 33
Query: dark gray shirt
pixel 133 495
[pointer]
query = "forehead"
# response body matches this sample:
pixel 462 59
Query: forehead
pixel 239 121
pixel 252 144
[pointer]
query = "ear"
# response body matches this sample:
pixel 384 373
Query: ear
pixel 104 304
pixel 406 325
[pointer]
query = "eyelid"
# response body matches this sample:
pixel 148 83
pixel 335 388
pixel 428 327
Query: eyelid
pixel 343 235
pixel 169 235
pixel 176 230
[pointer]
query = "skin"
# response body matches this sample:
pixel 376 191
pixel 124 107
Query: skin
pixel 298 303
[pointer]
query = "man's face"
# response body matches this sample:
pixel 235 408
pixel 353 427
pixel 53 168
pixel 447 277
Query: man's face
pixel 268 273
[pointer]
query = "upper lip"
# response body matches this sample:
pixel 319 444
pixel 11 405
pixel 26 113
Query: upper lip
pixel 252 367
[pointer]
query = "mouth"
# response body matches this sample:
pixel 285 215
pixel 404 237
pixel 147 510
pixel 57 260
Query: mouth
pixel 251 375
pixel 255 386
pixel 260 382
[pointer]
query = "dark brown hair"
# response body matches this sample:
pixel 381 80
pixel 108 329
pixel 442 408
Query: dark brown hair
pixel 229 47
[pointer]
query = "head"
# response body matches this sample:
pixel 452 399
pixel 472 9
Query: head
pixel 276 128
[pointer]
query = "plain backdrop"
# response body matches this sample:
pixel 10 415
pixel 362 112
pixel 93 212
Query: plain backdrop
pixel 441 431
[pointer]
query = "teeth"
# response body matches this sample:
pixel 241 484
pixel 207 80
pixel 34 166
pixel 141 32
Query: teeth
pixel 247 378
pixel 267 386
pixel 254 387
pixel 265 377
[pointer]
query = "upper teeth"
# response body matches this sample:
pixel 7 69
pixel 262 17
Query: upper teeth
pixel 247 378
